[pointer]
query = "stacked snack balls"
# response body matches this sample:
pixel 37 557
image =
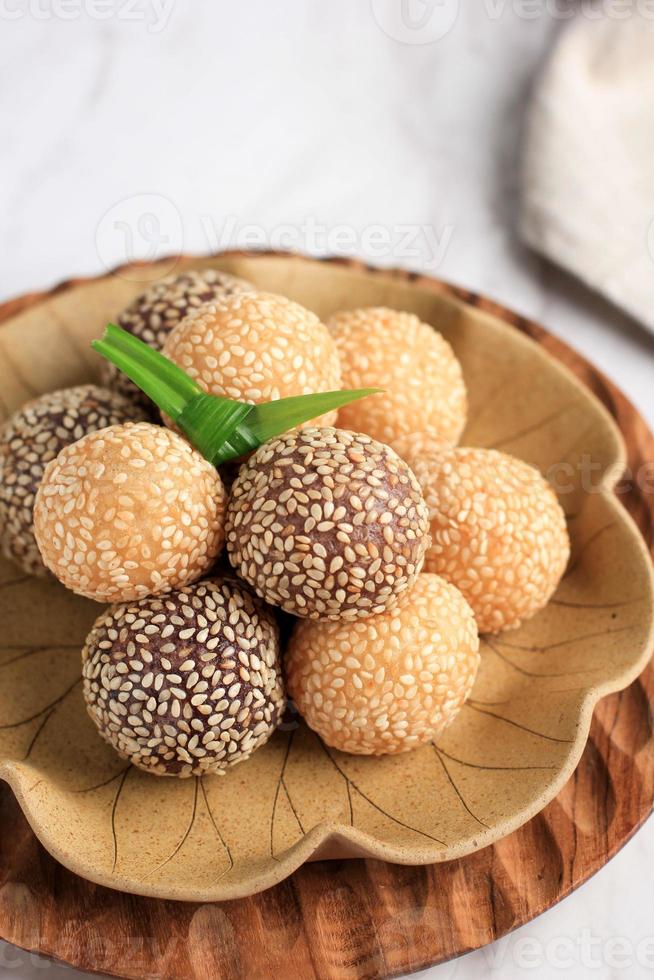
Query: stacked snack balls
pixel 415 366
pixel 498 531
pixel 187 683
pixel 327 524
pixel 257 347
pixel 157 311
pixel 129 511
pixel 390 546
pixel 389 683
pixel 30 439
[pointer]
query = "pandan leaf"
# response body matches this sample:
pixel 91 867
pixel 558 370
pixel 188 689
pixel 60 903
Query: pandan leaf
pixel 220 428
pixel 167 385
pixel 272 418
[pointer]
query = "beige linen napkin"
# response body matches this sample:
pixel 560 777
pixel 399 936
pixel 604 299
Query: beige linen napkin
pixel 587 198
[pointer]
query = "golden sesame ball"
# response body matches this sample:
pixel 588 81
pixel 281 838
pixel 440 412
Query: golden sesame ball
pixel 422 379
pixel 187 683
pixel 386 684
pixel 32 437
pixel 129 511
pixel 418 444
pixel 257 347
pixel 498 532
pixel 327 524
pixel 155 312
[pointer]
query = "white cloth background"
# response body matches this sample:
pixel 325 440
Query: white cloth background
pixel 588 159
pixel 320 123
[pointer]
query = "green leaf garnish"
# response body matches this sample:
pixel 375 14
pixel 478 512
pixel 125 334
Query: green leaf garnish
pixel 220 428
pixel 272 418
pixel 166 384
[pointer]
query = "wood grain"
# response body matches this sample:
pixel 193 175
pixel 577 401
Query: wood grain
pixel 355 919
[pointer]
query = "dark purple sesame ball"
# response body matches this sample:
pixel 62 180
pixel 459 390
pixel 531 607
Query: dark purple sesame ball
pixel 30 439
pixel 188 683
pixel 154 313
pixel 327 524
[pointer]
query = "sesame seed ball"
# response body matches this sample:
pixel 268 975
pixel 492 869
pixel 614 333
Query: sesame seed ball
pixel 32 437
pixel 129 511
pixel 417 444
pixel 422 379
pixel 153 314
pixel 327 524
pixel 498 532
pixel 188 683
pixel 257 347
pixel 385 685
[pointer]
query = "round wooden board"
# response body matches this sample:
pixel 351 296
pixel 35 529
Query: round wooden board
pixel 355 919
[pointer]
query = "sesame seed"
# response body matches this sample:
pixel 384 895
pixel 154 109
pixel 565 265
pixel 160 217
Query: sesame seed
pixel 323 570
pixel 156 312
pixel 31 439
pixel 497 530
pixel 412 362
pixel 349 679
pixel 118 572
pixel 256 347
pixel 160 732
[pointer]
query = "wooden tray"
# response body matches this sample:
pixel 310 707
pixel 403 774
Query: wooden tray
pixel 361 918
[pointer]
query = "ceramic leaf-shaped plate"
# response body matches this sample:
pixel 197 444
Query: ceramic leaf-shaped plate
pixel 508 753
